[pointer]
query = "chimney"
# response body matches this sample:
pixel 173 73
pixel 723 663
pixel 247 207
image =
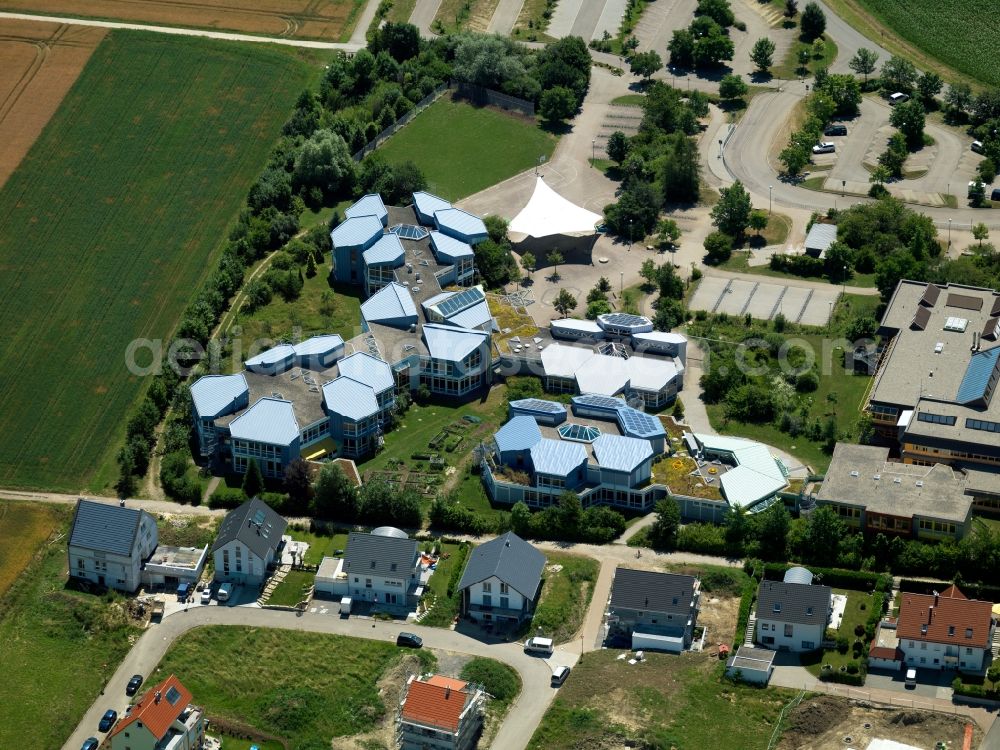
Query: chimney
pixel 156 698
pixel 447 693
pixel 930 614
pixel 121 502
pixel 937 597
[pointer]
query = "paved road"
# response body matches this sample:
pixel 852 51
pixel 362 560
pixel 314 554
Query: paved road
pixel 351 46
pixel 504 17
pixel 524 716
pixel 153 506
pixel 358 37
pixel 849 40
pixel 423 15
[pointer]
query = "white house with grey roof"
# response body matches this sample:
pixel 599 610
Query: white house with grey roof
pixel 502 581
pixel 109 544
pixel 383 570
pixel 248 543
pixel 792 616
pixel 656 611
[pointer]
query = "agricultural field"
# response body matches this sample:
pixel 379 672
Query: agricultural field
pixel 484 146
pixel 38 64
pixel 280 682
pixel 24 526
pixel 330 20
pixel 944 35
pixel 109 225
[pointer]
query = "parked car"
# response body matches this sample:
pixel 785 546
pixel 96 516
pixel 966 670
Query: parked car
pixel 225 590
pixel 977 147
pixel 108 720
pixel 206 595
pixel 559 675
pixel 183 592
pixel 824 148
pixel 133 685
pixel 972 186
pixel 835 130
pixel 90 743
pixel 911 678
pixel 995 195
pixel 538 646
pixel 410 640
pixel 898 98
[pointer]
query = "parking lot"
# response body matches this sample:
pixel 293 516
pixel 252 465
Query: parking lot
pixel 764 300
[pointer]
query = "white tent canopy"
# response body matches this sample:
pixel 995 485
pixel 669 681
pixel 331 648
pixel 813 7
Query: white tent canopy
pixel 548 213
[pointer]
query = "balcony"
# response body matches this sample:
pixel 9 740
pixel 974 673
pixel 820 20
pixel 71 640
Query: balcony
pixel 495 611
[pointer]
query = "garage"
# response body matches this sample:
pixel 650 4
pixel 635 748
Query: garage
pixel 673 644
pixel 751 665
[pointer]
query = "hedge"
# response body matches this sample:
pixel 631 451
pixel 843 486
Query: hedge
pixel 857 580
pixel 746 604
pixel 982 591
pixel 844 678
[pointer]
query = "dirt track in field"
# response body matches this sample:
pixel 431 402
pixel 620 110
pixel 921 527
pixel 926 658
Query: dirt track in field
pixel 307 19
pixel 38 64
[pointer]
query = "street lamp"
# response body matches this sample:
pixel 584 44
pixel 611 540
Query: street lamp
pixel 593 150
pixel 621 284
pixel 845 279
pixel 630 235
pixel 843 187
pixel 769 189
pixel 949 233
pixel 720 148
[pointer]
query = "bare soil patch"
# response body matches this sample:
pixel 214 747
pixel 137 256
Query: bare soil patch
pixel 718 615
pixel 38 64
pixel 825 723
pixel 306 19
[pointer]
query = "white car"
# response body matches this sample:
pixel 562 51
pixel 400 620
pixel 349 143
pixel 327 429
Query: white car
pixel 824 148
pixel 977 147
pixel 206 595
pixel 898 98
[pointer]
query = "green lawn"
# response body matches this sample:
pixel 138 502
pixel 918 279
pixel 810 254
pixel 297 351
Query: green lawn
pixel 853 615
pixel 58 647
pixel 790 68
pixel 630 100
pixel 667 701
pixel 292 589
pixel 320 545
pixel 445 607
pixel 483 146
pixel 471 494
pixel 110 224
pixel 565 595
pixel 304 687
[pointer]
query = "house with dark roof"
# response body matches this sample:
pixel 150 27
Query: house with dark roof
pixel 109 544
pixel 501 581
pixel 944 630
pixel 248 543
pixel 383 568
pixel 162 719
pixel 441 713
pixel 657 611
pixel 792 616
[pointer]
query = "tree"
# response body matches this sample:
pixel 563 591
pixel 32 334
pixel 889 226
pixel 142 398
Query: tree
pixel 712 46
pixel 310 266
pixel 794 158
pixel 772 532
pixel 839 261
pixel 495 262
pixel 667 232
pixel 681 49
pixel 298 483
pixel 980 232
pixel 617 147
pixel 663 532
pixel 909 119
pixel 898 74
pixel 823 534
pixel 929 85
pixel 758 221
pixel 791 8
pixel 843 91
pixel 863 63
pixel 805 54
pixel 596 308
pixel 732 87
pixel 732 213
pixel 520 519
pixel 648 271
pixel 718 10
pixel 564 302
pixel 959 99
pixel 762 54
pixel 324 161
pixel 738 529
pixel 718 247
pixel 253 480
pixel 528 262
pixel 334 495
pixel 680 177
pixel 555 258
pixel 635 213
pixel 557 104
pixel 603 285
pixel 813 22
pixel 645 64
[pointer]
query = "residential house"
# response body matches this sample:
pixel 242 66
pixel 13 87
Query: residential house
pixel 109 544
pixel 383 569
pixel 658 611
pixel 440 713
pixel 502 580
pixel 792 616
pixel 162 719
pixel 248 543
pixel 945 630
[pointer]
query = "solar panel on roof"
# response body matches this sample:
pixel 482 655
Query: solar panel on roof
pixel 600 401
pixel 625 319
pixel 173 695
pixel 537 404
pixel 259 516
pixel 461 301
pixel 638 423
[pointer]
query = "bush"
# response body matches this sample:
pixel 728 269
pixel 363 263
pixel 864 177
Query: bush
pixel 226 497
pixel 842 644
pixel 499 680
pixel 746 604
pixel 807 382
pixel 857 580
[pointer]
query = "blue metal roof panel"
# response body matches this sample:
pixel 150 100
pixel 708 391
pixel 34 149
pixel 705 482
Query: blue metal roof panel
pixel 391 302
pixel 558 457
pixel 538 405
pixel 455 221
pixel 212 394
pixel 367 369
pixel 356 232
pixel 270 420
pixel 599 403
pixel 448 249
pixel 349 398
pixel 368 205
pixel 322 344
pixel 977 375
pixel 272 356
pixel 638 424
pixel 621 453
pixel 519 434
pixel 428 203
pixel 386 250
pixel 472 317
pixel 450 343
pixel 105 528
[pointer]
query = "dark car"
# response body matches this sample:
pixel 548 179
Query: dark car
pixel 995 195
pixel 90 743
pixel 411 640
pixel 133 684
pixel 835 130
pixel 108 720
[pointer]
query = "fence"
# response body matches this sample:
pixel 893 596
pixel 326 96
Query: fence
pixel 417 109
pixel 483 96
pixel 777 726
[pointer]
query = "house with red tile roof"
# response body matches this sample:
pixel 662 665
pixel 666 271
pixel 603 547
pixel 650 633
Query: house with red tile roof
pixel 945 630
pixel 162 719
pixel 440 712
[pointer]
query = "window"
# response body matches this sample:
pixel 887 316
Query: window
pixel 935 418
pixel 968 651
pixel 504 602
pixel 373 564
pixel 487 587
pixel 79 562
pixel 951 630
pixel 808 645
pixel 982 424
pixel 809 610
pixel 923 645
pixel 368 583
pixel 968 632
pixel 487 600
pixel 392 566
pixel 504 588
pixel 788 631
pixel 777 606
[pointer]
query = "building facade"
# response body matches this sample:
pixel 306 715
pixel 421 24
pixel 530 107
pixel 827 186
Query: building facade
pixel 383 569
pixel 657 611
pixel 109 544
pixel 502 581
pixel 162 719
pixel 792 616
pixel 440 713
pixel 945 630
pixel 248 543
